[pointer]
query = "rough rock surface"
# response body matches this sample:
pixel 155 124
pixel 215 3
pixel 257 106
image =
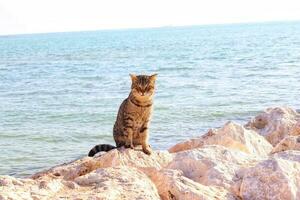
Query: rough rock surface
pixel 231 135
pixel 118 183
pixel 106 183
pixel 172 184
pixel 276 123
pixel 113 158
pixel 213 165
pixel 276 178
pixel 288 143
pixel 228 163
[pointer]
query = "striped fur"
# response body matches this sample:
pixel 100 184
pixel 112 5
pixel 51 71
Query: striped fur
pixel 133 120
pixel 100 147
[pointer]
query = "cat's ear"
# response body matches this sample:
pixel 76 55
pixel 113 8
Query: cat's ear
pixel 153 77
pixel 133 77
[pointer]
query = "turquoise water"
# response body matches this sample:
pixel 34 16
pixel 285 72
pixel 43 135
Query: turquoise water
pixel 60 92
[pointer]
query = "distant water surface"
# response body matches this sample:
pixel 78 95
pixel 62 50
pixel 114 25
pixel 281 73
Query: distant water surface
pixel 60 92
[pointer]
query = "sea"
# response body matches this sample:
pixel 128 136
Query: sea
pixel 60 92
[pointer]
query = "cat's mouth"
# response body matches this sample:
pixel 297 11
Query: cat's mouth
pixel 144 96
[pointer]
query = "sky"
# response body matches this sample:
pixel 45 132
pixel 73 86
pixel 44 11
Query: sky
pixel 39 16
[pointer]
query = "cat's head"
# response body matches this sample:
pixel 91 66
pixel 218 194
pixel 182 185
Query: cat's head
pixel 143 86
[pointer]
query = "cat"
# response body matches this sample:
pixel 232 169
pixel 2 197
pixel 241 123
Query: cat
pixel 133 120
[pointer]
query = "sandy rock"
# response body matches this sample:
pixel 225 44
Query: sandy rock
pixel 295 130
pixel 172 184
pixel 228 163
pixel 107 184
pixel 276 123
pixel 70 184
pixel 66 180
pixel 276 178
pixel 29 189
pixel 231 135
pixel 288 143
pixel 213 165
pixel 113 158
pixel 135 158
pixel 118 183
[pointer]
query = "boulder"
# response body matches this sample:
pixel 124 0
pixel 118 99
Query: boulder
pixel 172 184
pixel 295 130
pixel 276 123
pixel 232 136
pixel 288 143
pixel 15 189
pixel 107 184
pixel 232 162
pixel 114 183
pixel 213 165
pixel 276 178
pixel 113 158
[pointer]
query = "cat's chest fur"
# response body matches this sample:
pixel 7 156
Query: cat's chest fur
pixel 141 115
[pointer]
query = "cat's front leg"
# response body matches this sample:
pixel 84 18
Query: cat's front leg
pixel 144 140
pixel 146 148
pixel 129 139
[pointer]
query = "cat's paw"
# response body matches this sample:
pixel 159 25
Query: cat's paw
pixel 147 151
pixel 129 146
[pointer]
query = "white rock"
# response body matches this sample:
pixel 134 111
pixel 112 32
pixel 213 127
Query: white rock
pixel 213 165
pixel 228 163
pixel 277 178
pixel 295 130
pixel 276 123
pixel 113 158
pixel 118 183
pixel 288 143
pixel 172 184
pixel 231 135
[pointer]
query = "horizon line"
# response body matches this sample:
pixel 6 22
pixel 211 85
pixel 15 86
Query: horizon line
pixel 153 27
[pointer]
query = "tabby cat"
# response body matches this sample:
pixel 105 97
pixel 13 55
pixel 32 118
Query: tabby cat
pixel 131 126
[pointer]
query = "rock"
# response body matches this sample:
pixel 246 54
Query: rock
pixel 232 162
pixel 107 183
pixel 136 158
pixel 276 178
pixel 288 143
pixel 113 158
pixel 295 130
pixel 62 181
pixel 118 183
pixel 276 123
pixel 213 165
pixel 33 190
pixel 172 184
pixel 8 180
pixel 231 135
pixel 70 184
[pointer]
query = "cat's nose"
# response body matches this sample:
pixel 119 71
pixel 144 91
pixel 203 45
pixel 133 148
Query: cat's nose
pixel 143 93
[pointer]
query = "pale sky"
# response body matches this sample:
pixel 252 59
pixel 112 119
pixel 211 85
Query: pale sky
pixel 36 16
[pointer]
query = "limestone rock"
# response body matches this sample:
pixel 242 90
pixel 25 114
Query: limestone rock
pixel 276 178
pixel 107 184
pixel 213 165
pixel 29 189
pixel 113 158
pixel 231 135
pixel 295 130
pixel 276 123
pixel 172 184
pixel 118 183
pixel 232 162
pixel 288 143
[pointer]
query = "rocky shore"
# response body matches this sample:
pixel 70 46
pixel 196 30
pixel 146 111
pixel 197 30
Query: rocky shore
pixel 258 160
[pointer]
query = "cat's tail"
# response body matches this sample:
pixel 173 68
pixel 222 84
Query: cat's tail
pixel 100 147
